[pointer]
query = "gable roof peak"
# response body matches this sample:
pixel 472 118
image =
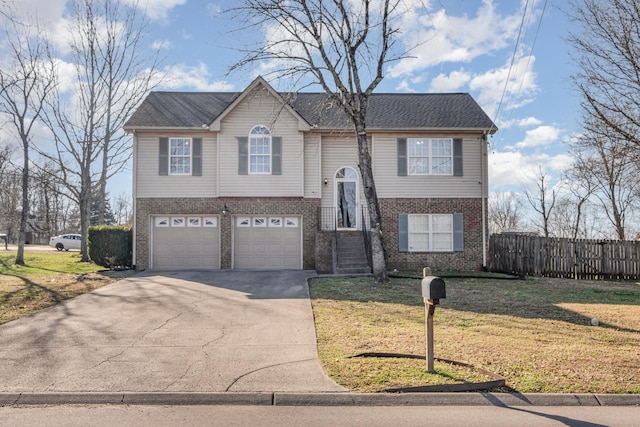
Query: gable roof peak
pixel 254 85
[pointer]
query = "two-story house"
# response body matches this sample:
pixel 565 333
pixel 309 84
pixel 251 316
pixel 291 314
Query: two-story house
pixel 266 180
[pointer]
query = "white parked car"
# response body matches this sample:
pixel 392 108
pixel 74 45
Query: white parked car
pixel 66 241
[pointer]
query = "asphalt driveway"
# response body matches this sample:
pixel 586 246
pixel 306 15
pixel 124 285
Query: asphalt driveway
pixel 199 331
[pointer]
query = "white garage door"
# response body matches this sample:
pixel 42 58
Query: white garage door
pixel 267 242
pixel 185 242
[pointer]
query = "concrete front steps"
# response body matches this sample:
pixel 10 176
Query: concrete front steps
pixel 351 255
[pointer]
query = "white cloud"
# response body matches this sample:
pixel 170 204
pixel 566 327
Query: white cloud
pixel 161 44
pixel 157 9
pixel 513 169
pixel 540 136
pixel 45 11
pixel 435 37
pixel 214 10
pixel 520 123
pixel 184 77
pixel 517 83
pixel 451 82
pixel 405 86
pixel 67 75
pixel 529 121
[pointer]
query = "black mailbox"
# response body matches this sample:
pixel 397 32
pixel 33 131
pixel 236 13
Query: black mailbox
pixel 433 288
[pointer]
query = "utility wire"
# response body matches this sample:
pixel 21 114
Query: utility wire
pixel 535 38
pixel 513 59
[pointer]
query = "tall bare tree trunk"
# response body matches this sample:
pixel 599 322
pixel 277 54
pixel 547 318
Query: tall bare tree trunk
pixel 24 214
pixel 378 257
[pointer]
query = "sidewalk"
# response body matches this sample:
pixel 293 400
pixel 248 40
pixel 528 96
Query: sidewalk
pixel 322 399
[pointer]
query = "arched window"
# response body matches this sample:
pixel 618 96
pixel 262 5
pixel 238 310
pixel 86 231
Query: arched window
pixel 260 150
pixel 346 197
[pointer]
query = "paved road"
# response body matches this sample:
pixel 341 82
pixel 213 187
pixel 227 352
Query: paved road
pixel 294 416
pixel 171 332
pixel 29 248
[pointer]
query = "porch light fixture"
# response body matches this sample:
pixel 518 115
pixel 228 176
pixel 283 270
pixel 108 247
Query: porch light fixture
pixel 225 209
pixel 326 181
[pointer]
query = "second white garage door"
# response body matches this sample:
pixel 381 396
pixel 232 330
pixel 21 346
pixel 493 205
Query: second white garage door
pixel 267 242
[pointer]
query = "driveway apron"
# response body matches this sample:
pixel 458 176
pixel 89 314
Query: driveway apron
pixel 196 331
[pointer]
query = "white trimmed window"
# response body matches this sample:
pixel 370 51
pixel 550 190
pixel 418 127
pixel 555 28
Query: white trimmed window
pixel 430 232
pixel 291 222
pixel 210 221
pixel 430 156
pixel 260 150
pixel 179 156
pixel 162 221
pixel 275 222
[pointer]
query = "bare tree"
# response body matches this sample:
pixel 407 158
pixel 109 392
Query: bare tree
pixel 25 82
pixel 127 71
pixel 10 192
pixel 569 219
pixel 122 209
pixel 606 45
pixel 542 200
pixel 505 213
pixel 606 165
pixel 49 198
pixel 343 47
pixel 113 74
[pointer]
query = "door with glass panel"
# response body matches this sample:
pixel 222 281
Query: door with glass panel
pixel 346 198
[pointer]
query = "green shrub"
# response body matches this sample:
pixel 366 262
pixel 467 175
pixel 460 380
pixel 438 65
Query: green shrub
pixel 111 245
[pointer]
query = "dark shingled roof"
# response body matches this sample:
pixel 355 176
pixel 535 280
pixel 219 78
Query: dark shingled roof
pixel 393 111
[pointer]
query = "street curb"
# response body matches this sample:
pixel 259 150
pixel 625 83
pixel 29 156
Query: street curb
pixel 319 399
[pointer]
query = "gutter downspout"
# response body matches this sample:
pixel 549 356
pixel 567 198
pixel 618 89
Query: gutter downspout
pixel 484 201
pixel 133 196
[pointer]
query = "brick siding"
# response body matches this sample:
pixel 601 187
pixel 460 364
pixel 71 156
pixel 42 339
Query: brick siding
pixel 306 208
pixel 470 259
pixel 317 252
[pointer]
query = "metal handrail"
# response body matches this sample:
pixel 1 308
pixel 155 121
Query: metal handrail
pixel 366 236
pixel 327 219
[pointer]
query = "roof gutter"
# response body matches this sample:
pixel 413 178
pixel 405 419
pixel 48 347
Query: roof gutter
pixel 134 129
pixel 316 128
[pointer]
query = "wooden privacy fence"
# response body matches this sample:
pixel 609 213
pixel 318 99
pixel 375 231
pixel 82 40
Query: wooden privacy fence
pixel 569 258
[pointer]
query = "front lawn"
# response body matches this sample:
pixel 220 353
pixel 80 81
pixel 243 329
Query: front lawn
pixel 537 333
pixel 48 278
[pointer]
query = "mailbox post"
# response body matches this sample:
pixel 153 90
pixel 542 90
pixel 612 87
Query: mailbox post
pixel 433 289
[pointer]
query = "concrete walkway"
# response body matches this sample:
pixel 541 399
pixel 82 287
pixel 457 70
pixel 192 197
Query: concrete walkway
pixel 213 331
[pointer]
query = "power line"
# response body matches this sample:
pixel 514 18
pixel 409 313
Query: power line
pixel 513 59
pixel 535 38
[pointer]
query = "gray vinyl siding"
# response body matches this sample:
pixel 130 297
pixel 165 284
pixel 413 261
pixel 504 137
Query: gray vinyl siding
pixel 260 108
pixel 390 185
pixel 338 152
pixel 313 181
pixel 149 183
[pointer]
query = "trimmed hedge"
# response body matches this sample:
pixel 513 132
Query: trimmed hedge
pixel 111 245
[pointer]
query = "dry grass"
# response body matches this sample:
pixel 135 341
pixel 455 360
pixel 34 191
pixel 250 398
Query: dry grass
pixel 47 279
pixel 536 333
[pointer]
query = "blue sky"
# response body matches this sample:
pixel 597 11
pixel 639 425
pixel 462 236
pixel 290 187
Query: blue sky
pixel 510 55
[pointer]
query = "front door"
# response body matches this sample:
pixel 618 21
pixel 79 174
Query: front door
pixel 346 181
